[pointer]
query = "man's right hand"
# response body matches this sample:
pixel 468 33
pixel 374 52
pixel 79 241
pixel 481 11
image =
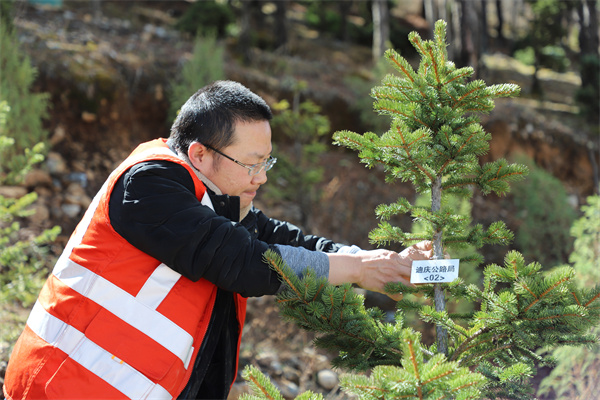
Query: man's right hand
pixel 373 269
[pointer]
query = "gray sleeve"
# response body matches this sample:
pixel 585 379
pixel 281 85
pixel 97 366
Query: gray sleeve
pixel 299 258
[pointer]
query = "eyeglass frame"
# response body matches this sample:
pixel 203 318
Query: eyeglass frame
pixel 265 165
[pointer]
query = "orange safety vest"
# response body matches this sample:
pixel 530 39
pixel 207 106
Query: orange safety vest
pixel 111 321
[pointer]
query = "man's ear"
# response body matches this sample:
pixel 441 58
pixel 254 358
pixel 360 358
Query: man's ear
pixel 197 153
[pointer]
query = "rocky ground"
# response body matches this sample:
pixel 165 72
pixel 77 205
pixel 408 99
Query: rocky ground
pixel 107 76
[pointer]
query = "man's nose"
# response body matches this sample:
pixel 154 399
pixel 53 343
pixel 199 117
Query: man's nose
pixel 260 178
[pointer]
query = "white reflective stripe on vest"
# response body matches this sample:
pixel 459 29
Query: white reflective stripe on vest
pixel 139 312
pixel 158 286
pixel 127 307
pixel 95 359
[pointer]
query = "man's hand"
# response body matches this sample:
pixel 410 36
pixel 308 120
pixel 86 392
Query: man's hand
pixel 373 269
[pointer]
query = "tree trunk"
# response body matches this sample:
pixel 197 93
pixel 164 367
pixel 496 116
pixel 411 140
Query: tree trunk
pixel 381 28
pixel 281 26
pixel 430 11
pixel 588 32
pixel 483 29
pixel 455 15
pixel 469 35
pixel 438 254
pixel 345 7
pixel 245 39
pixel 500 26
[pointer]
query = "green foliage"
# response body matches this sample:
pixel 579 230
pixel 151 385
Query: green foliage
pixel 520 311
pixel 525 55
pixel 32 156
pixel 490 351
pixel 21 258
pixel 546 28
pixel 552 57
pixel 586 249
pixel 545 216
pixel 437 379
pixel 206 65
pixel 206 15
pixel 298 172
pixel 467 254
pixel 435 136
pixel 6 13
pixel 263 388
pixel 356 332
pixel 463 250
pixel 24 122
pixel 542 44
pixel 575 366
pixel 325 16
pixel 574 376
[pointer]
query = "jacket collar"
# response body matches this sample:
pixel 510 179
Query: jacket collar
pixel 242 211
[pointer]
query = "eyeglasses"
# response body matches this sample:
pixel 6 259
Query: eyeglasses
pixel 253 169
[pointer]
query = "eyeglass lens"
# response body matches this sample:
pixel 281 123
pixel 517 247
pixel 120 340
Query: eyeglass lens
pixel 263 166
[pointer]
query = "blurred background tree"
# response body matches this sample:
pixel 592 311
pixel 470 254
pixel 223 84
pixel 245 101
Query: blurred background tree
pixel 544 216
pixel 27 109
pixel 207 64
pixel 302 129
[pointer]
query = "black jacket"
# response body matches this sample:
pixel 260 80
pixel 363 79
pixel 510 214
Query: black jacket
pixel 153 206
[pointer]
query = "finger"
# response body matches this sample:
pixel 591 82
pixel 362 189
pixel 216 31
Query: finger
pixel 417 254
pixel 424 245
pixel 395 297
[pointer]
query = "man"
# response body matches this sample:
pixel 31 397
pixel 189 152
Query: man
pixel 148 298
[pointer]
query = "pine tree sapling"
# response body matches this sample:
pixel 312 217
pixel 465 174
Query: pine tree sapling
pixel 434 142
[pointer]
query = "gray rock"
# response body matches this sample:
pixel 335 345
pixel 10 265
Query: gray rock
pixel 327 379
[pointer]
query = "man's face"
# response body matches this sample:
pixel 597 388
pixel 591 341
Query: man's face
pixel 251 145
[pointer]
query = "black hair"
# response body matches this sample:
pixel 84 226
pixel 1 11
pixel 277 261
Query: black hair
pixel 210 115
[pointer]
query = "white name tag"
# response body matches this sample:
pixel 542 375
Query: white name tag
pixel 434 271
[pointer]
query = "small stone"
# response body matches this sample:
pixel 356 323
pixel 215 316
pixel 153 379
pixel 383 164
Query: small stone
pixel 276 367
pixel 88 117
pixel 289 390
pixel 321 362
pixel 75 194
pixel 291 374
pixel 71 210
pixel 266 358
pixel 56 164
pixel 40 216
pixel 327 379
pixel 12 192
pixel 37 177
pixel 59 135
